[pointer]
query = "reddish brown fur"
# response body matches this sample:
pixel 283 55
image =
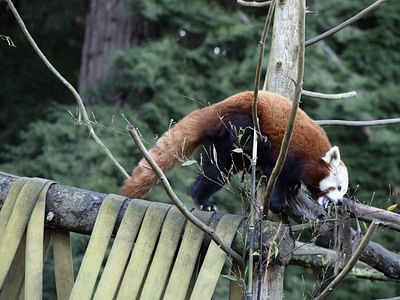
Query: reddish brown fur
pixel 309 141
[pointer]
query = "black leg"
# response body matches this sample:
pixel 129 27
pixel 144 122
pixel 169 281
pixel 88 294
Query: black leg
pixel 279 197
pixel 206 185
pixel 219 162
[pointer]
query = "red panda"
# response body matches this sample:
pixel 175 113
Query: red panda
pixel 226 126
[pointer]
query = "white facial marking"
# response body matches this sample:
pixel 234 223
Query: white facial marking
pixel 336 184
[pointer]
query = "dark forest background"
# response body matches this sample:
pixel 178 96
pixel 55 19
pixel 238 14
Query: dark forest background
pixel 153 61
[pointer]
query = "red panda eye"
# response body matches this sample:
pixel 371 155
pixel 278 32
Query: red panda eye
pixel 339 188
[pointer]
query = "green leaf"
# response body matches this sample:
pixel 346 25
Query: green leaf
pixel 392 207
pixel 275 249
pixel 215 155
pixel 189 162
pixel 238 150
pixel 231 277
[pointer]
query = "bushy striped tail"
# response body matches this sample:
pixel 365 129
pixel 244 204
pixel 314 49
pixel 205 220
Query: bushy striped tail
pixel 171 149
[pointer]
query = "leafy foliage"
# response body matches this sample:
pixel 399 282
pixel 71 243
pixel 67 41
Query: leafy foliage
pixel 58 28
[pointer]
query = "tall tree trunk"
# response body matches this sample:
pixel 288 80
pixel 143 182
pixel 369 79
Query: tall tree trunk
pixel 109 27
pixel 281 73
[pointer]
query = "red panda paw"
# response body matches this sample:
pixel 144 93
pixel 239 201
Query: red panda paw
pixel 208 207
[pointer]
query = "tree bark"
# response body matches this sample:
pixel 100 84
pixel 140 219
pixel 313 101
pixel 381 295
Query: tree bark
pixel 109 27
pixel 282 71
pixel 283 58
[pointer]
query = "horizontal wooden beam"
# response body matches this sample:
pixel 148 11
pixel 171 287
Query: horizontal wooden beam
pixel 74 209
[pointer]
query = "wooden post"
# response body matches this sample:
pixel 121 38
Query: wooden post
pixel 280 78
pixel 282 65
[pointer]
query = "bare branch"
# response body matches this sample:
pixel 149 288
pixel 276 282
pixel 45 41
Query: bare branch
pixel 67 84
pixel 175 199
pixel 358 123
pixel 352 261
pixel 253 3
pixel 370 213
pixel 306 210
pixel 311 255
pixel 344 24
pixel 329 96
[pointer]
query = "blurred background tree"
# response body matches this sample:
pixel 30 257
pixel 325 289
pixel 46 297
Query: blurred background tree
pixel 154 61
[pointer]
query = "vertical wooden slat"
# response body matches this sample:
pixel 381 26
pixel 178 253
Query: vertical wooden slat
pixel 120 251
pixel 63 266
pixel 34 248
pixel 16 225
pixel 15 277
pixel 215 259
pixel 96 250
pixel 143 251
pixel 164 255
pixel 186 259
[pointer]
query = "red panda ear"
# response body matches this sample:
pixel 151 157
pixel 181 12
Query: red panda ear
pixel 332 157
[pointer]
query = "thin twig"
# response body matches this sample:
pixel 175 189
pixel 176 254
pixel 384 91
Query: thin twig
pixel 329 96
pixel 253 3
pixel 257 131
pixel 251 230
pixel 261 46
pixel 352 261
pixel 344 24
pixel 293 111
pixel 269 255
pixel 358 123
pixel 8 40
pixel 175 199
pixel 67 84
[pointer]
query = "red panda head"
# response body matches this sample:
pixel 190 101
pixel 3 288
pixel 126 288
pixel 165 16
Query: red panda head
pixel 334 186
pixel 326 177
